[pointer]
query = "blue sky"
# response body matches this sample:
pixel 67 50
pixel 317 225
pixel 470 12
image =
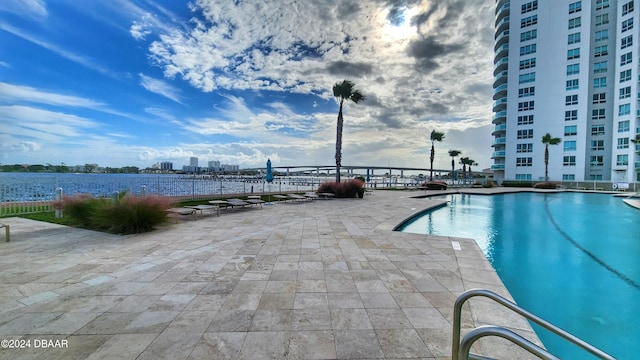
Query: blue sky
pixel 137 82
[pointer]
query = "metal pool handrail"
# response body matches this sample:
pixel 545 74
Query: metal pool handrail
pixel 507 334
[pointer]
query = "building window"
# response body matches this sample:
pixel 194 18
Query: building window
pixel 601 35
pixel 601 51
pixel 626 42
pixel 525 134
pixel 625 75
pixel 530 6
pixel 597 145
pixel 624 109
pixel 571 115
pixel 528 21
pixel 600 67
pixel 597 114
pixel 527 49
pixel 622 160
pixel 526 105
pixel 524 148
pixel 573 69
pixel 574 23
pixel 600 98
pixel 626 25
pixel 569 160
pixel 529 35
pixel 525 120
pixel 527 63
pixel 523 176
pixel 625 59
pixel 568 177
pixel 600 82
pixel 623 143
pixel 627 8
pixel 572 84
pixel 597 130
pixel 571 130
pixel 573 38
pixel 573 54
pixel 575 7
pixel 623 126
pixel 597 160
pixel 524 161
pixel 625 92
pixel 527 78
pixel 602 19
pixel 602 4
pixel 528 91
pixel 570 145
pixel 571 100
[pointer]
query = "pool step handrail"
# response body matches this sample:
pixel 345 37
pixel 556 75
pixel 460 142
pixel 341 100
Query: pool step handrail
pixel 460 350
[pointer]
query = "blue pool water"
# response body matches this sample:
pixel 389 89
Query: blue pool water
pixel 571 258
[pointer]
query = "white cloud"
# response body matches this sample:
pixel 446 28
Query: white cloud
pixel 160 87
pixel 20 93
pixel 28 8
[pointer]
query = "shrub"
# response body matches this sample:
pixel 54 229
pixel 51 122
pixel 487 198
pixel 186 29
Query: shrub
pixel 347 189
pixel 489 184
pixel 127 215
pixel 434 185
pixel 82 208
pixel 545 185
pixel 517 183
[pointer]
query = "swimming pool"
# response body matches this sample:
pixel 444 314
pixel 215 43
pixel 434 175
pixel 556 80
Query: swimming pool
pixel 571 258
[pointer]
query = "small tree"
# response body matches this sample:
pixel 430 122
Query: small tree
pixel 343 91
pixel 547 140
pixel 435 136
pixel 453 154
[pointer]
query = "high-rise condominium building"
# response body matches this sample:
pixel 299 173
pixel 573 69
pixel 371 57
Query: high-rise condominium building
pixel 568 68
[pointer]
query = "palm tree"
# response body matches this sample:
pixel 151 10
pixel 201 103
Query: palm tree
pixel 344 91
pixel 464 161
pixel 435 136
pixel 453 154
pixel 547 140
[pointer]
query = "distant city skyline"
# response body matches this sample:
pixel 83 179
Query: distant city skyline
pixel 138 82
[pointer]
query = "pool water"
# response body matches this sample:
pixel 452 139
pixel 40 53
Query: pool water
pixel 571 258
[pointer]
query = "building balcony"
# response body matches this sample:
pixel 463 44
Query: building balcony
pixel 502 11
pixel 499 129
pixel 500 65
pixel 500 3
pixel 502 25
pixel 498 154
pixel 497 167
pixel 501 52
pixel 502 38
pixel 500 79
pixel 499 141
pixel 637 165
pixel 499 117
pixel 500 91
pixel 500 104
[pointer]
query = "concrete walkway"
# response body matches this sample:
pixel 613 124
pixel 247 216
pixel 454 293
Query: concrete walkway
pixel 299 280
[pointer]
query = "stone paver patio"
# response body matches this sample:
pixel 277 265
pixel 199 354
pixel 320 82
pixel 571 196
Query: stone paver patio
pixel 300 280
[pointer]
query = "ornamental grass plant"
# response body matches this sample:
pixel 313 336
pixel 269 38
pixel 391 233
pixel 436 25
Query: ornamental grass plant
pixel 347 189
pixel 127 214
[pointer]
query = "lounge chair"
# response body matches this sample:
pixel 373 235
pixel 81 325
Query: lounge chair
pixel 234 203
pixel 182 211
pixel 201 208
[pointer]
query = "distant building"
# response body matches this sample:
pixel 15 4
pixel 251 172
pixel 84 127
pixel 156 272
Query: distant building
pixel 166 166
pixel 193 162
pixel 214 166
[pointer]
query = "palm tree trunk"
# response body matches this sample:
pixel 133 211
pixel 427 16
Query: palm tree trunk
pixel 339 142
pixel 546 163
pixel 433 156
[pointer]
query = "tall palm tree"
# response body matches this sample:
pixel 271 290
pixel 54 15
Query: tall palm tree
pixel 464 161
pixel 453 154
pixel 435 136
pixel 344 91
pixel 547 140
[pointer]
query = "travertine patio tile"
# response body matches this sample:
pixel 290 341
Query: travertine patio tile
pixel 218 345
pixel 357 344
pixel 124 346
pixel 312 345
pixel 402 343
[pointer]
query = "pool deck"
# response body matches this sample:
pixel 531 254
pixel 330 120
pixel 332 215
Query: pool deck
pixel 324 279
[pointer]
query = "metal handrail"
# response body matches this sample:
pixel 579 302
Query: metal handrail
pixel 457 311
pixel 490 330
